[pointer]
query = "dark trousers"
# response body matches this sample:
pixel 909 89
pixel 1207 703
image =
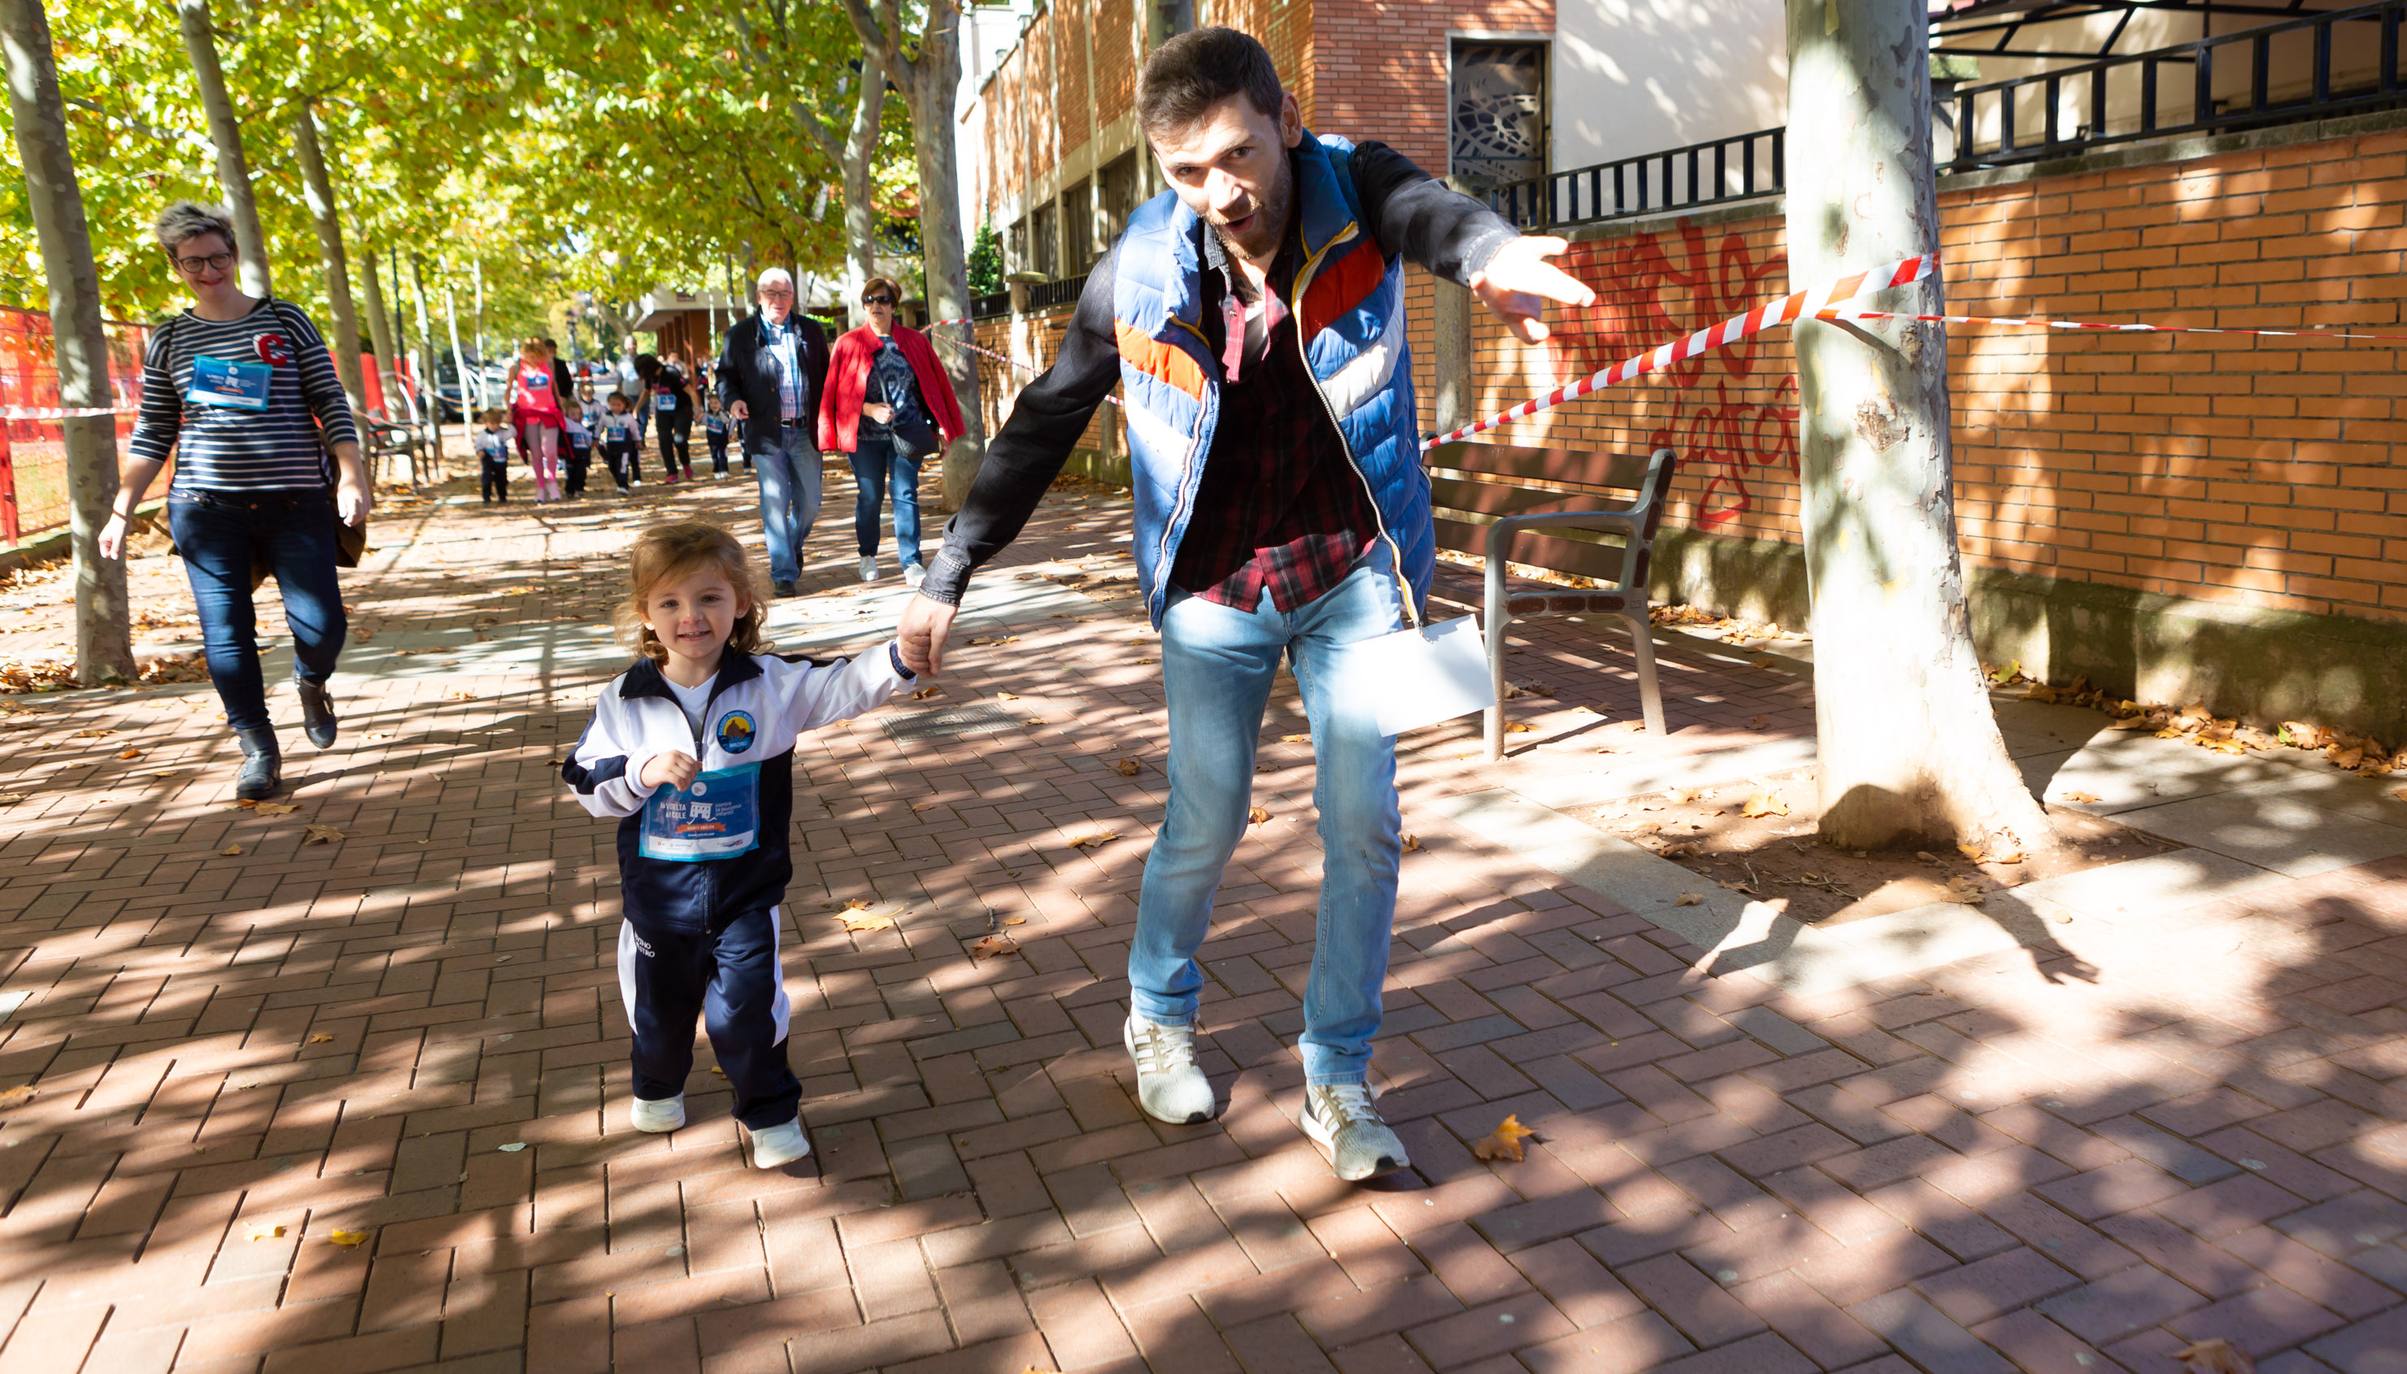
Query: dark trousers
pixel 625 461
pixel 579 462
pixel 496 474
pixel 731 982
pixel 718 450
pixel 221 535
pixel 676 444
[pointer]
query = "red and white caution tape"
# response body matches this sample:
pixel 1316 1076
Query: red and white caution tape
pixel 57 412
pixel 1786 310
pixel 1849 312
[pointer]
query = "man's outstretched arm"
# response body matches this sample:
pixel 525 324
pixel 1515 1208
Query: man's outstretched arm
pixel 1458 238
pixel 1021 462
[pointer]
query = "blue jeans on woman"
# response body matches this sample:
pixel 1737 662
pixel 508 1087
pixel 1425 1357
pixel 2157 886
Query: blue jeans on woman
pixel 1217 668
pixel 221 535
pixel 873 462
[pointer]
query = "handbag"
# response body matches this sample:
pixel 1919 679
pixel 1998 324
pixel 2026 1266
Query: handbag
pixel 913 435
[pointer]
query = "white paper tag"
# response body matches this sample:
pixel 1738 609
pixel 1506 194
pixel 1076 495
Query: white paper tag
pixel 1413 678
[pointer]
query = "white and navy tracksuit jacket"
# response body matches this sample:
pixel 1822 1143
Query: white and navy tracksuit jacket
pixel 703 871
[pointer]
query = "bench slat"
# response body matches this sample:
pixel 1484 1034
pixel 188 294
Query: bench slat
pixel 1565 551
pixel 1494 498
pixel 1513 463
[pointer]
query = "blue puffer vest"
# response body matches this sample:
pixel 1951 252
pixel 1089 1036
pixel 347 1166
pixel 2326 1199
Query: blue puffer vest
pixel 1349 305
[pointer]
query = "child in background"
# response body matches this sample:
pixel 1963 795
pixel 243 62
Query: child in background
pixel 535 411
pixel 693 750
pixel 493 457
pixel 580 454
pixel 618 444
pixel 714 430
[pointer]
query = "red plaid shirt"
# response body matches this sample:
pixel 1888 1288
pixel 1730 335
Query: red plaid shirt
pixel 1280 508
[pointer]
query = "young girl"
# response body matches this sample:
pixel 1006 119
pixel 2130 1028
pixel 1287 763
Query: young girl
pixel 579 459
pixel 493 457
pixel 535 411
pixel 693 749
pixel 714 429
pixel 618 444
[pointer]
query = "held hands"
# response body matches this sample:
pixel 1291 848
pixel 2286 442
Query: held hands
pixel 927 623
pixel 1518 282
pixel 671 770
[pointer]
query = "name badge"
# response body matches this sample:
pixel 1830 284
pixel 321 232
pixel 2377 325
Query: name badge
pixel 234 385
pixel 664 401
pixel 717 816
pixel 1417 677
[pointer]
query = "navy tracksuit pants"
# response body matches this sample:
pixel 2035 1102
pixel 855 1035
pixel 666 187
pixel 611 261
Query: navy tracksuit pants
pixel 731 980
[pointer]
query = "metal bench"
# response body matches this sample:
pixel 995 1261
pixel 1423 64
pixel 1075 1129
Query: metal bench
pixel 1486 495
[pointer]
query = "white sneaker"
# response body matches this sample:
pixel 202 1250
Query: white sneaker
pixel 913 575
pixel 869 567
pixel 658 1116
pixel 1341 1118
pixel 1169 1085
pixel 636 482
pixel 718 477
pixel 779 1145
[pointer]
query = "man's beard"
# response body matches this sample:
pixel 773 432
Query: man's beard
pixel 1269 225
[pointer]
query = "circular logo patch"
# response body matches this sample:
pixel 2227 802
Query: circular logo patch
pixel 736 731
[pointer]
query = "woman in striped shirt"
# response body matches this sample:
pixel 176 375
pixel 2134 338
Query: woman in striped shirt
pixel 242 391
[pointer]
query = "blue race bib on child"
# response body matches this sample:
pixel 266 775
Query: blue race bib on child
pixel 717 817
pixel 234 385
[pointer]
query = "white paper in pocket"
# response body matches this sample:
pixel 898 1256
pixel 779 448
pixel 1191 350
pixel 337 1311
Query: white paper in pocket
pixel 1418 677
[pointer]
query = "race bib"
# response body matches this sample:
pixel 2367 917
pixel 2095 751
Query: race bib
pixel 535 381
pixel 716 817
pixel 234 385
pixel 664 401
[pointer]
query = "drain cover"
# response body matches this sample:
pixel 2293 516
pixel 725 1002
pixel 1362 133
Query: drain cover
pixel 981 718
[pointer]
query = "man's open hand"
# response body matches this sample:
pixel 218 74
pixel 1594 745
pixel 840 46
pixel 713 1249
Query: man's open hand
pixel 927 623
pixel 1518 282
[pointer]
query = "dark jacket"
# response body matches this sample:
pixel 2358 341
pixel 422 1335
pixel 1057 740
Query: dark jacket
pixel 748 373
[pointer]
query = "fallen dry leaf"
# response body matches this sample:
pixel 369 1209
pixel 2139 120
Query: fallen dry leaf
pixel 1520 727
pixel 1015 920
pixel 1964 890
pixel 11 798
pixel 1975 850
pixel 230 850
pixel 272 808
pixel 1764 803
pixel 2085 798
pixel 349 1240
pixel 1295 739
pixel 2215 1355
pixel 1007 696
pixel 2011 854
pixel 1258 815
pixel 1758 722
pixel 1503 1143
pixel 129 754
pixel 321 1038
pixel 17 1096
pixel 320 834
pixel 854 923
pixel 1128 768
pixel 268 1233
pixel 96 732
pixel 994 947
pixel 1095 840
pixel 926 692
pixel 1690 898
pixel 1412 843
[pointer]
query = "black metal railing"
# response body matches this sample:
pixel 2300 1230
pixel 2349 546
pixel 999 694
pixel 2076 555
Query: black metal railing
pixel 1721 169
pixel 2350 61
pixel 991 304
pixel 2207 86
pixel 1047 295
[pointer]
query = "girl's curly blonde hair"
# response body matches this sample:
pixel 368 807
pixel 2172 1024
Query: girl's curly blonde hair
pixel 665 552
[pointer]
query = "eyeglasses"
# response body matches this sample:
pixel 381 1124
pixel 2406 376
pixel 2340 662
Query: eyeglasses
pixel 877 300
pixel 777 293
pixel 214 262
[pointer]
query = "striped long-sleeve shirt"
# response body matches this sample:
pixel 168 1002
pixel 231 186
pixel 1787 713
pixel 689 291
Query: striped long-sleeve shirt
pixel 227 448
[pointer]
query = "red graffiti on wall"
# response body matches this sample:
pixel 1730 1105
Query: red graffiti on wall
pixel 1650 291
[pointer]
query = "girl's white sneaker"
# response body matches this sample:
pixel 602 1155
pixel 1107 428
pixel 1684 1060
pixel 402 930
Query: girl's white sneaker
pixel 658 1116
pixel 776 1146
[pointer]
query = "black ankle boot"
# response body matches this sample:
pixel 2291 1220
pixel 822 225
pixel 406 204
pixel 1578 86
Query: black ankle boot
pixel 317 711
pixel 262 765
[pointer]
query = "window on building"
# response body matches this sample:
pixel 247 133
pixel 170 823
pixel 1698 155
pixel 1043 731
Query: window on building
pixel 1121 195
pixel 1078 228
pixel 1015 246
pixel 1044 227
pixel 1499 114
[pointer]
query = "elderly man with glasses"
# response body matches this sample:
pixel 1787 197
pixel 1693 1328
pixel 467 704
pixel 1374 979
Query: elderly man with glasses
pixel 772 375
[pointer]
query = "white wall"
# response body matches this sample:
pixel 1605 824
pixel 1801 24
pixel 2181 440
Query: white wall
pixel 1640 76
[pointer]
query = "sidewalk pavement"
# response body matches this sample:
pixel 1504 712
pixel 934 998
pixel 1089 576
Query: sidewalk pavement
pixel 344 1088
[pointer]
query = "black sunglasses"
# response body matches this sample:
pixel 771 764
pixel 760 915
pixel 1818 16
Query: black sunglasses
pixel 877 300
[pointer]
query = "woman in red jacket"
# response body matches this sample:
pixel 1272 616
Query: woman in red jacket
pixel 888 406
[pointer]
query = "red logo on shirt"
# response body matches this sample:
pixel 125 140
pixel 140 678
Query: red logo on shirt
pixel 274 349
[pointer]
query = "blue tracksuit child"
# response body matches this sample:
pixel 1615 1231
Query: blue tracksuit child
pixel 692 750
pixel 493 462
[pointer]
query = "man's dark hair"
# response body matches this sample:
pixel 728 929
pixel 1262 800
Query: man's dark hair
pixel 1197 70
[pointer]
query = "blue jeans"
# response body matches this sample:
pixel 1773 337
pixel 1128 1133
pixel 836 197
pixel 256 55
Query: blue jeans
pixel 872 462
pixel 1217 666
pixel 787 465
pixel 220 535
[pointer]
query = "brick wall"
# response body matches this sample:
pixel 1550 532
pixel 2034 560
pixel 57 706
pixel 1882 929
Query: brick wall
pixel 2264 472
pixel 1379 66
pixel 1067 21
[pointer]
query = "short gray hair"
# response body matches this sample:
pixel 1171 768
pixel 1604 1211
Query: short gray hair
pixel 189 219
pixel 773 274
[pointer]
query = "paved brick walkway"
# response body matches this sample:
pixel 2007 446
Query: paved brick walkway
pixel 249 1039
